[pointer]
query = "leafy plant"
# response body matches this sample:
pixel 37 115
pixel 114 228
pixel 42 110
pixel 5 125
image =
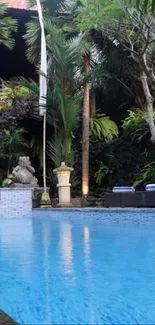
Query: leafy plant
pixel 12 144
pixel 146 4
pixel 8 94
pixel 101 173
pixel 56 150
pixel 60 146
pixel 136 124
pixel 102 127
pixel 16 91
pixel 146 175
pixel 7 26
pixel 93 13
pixel 130 32
pixel 23 85
pixel 7 181
pixel 36 148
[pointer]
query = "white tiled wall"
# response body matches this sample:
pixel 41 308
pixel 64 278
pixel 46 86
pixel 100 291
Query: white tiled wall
pixel 15 202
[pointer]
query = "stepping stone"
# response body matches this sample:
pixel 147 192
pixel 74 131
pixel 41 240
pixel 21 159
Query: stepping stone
pixel 6 320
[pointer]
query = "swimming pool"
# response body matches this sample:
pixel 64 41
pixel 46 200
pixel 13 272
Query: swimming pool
pixel 77 267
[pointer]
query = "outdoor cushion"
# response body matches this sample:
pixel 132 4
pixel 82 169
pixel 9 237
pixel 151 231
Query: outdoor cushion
pixel 123 189
pixel 150 187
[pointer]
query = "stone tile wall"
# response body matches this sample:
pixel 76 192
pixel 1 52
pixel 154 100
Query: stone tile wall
pixel 15 202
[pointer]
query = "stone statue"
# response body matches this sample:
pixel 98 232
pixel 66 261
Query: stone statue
pixel 22 174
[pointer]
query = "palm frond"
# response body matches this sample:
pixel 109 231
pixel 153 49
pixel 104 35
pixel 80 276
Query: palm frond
pixel 80 45
pixel 55 149
pixel 8 26
pixel 103 128
pixel 55 35
pixel 32 38
pixel 30 84
pixel 93 14
pixel 145 4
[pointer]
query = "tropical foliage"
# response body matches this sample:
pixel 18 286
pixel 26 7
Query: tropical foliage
pixel 7 94
pixel 135 124
pixel 7 27
pixel 146 175
pixel 147 4
pixel 101 88
pixel 102 128
pixel 70 66
pixel 60 147
pixel 101 173
pixel 12 145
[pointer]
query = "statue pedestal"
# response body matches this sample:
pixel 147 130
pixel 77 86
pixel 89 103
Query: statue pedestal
pixel 23 176
pixel 39 198
pixel 63 176
pixel 19 185
pixel 15 202
pixel 45 201
pixel 64 195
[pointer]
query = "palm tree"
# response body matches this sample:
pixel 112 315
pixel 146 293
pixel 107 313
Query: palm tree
pixel 62 67
pixel 78 55
pixel 86 21
pixel 69 61
pixel 63 58
pixel 61 146
pixel 7 27
pixel 85 136
pixel 43 96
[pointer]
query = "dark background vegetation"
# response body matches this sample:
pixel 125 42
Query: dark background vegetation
pixel 119 93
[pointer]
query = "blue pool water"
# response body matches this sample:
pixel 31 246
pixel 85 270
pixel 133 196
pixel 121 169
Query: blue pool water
pixel 78 268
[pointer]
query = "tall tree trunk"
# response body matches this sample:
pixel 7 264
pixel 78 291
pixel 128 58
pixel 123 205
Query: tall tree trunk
pixel 8 172
pixel 44 152
pixel 65 84
pixel 66 91
pixel 85 136
pixel 149 105
pixel 92 105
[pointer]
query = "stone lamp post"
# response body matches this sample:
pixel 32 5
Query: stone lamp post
pixel 63 175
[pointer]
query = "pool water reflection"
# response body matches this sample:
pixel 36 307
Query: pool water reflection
pixel 72 270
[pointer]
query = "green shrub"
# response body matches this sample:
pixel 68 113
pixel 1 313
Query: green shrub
pixel 7 181
pixel 8 94
pixel 103 128
pixel 136 124
pixel 101 173
pixel 146 175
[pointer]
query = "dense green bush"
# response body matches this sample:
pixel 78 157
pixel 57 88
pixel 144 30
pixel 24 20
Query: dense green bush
pixel 8 94
pixel 119 162
pixel 135 124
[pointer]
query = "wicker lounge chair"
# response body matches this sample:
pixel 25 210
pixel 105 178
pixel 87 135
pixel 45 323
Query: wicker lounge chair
pixel 125 199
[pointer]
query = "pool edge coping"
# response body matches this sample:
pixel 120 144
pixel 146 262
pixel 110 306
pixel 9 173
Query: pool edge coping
pixel 96 209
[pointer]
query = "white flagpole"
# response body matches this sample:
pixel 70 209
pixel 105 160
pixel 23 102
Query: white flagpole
pixel 43 92
pixel 43 65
